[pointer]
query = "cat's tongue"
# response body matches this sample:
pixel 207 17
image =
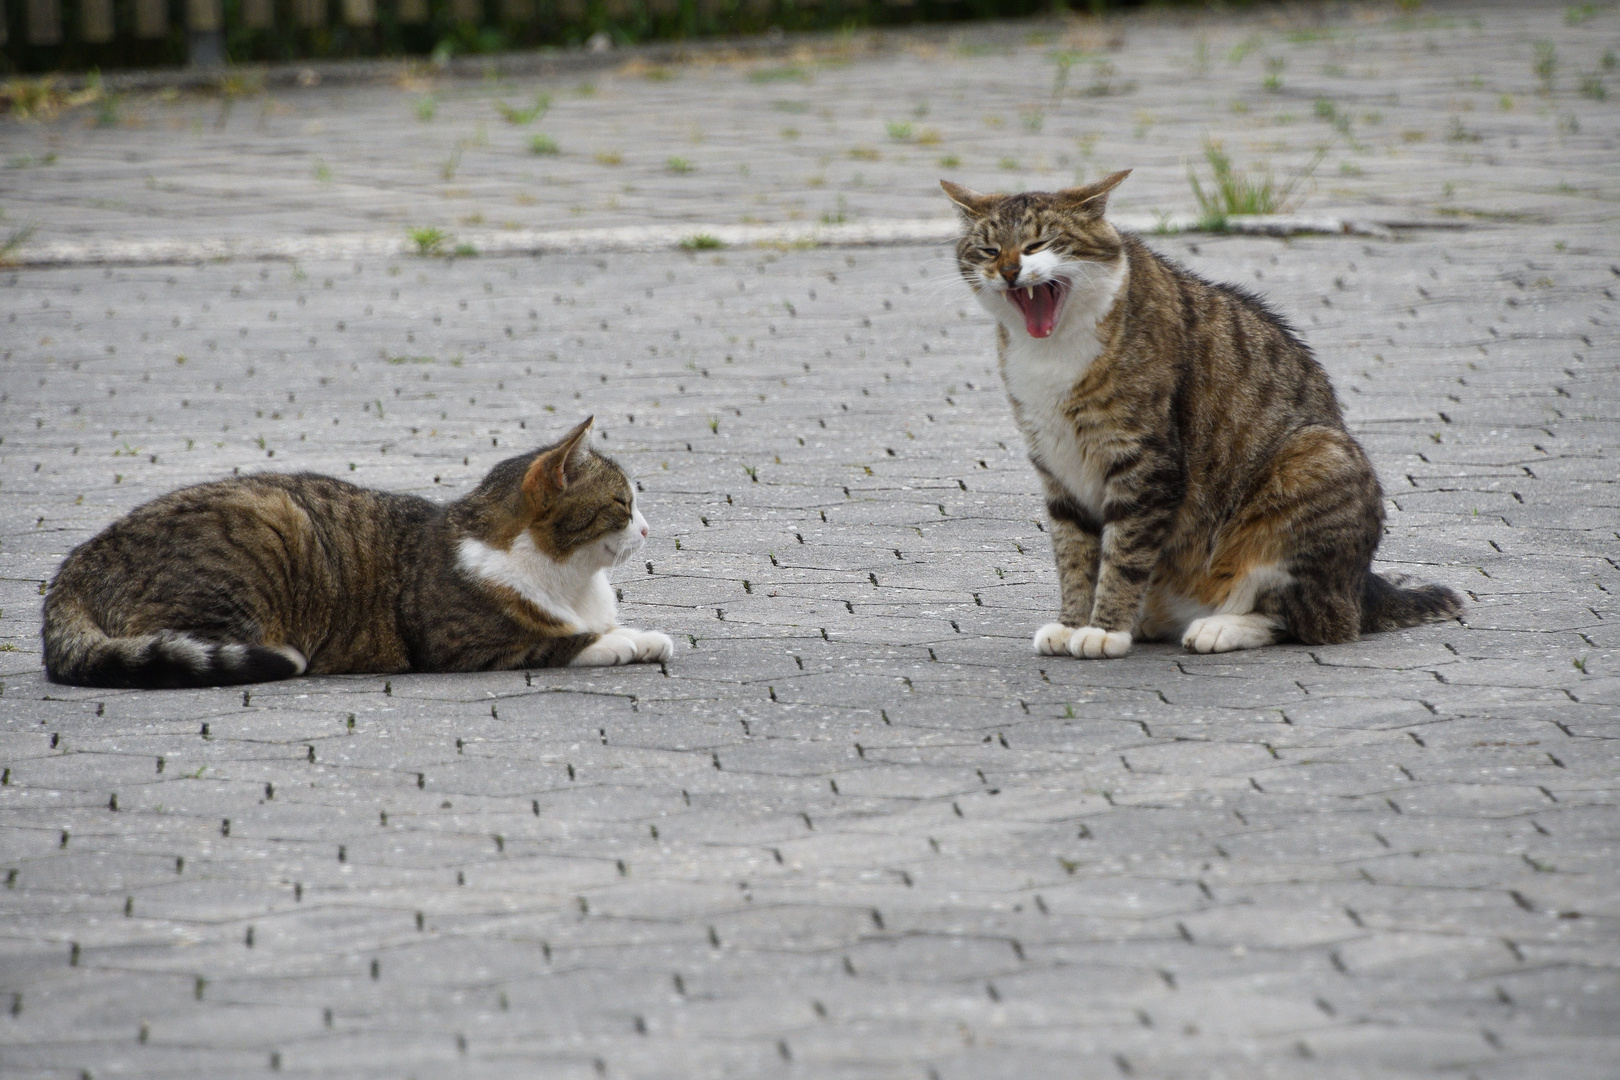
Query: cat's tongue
pixel 1040 306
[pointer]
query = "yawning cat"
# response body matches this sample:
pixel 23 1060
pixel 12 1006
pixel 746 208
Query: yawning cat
pixel 267 577
pixel 1199 478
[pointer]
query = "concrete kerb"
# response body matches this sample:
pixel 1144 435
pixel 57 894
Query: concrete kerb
pixel 639 238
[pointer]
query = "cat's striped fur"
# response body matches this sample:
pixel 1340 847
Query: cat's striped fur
pixel 1200 481
pixel 266 577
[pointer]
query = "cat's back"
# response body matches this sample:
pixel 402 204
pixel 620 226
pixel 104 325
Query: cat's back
pixel 283 510
pixel 271 542
pixel 1231 354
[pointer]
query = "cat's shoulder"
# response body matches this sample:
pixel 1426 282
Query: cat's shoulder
pixel 1201 287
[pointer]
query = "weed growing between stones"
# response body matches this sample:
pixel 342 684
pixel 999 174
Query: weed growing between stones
pixel 1233 193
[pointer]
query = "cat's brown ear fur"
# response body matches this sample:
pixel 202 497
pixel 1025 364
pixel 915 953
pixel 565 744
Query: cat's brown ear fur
pixel 548 475
pixel 1092 199
pixel 972 205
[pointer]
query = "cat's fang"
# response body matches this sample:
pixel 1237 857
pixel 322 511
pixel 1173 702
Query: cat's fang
pixel 1040 305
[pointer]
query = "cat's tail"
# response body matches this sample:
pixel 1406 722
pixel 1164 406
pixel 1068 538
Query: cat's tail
pixel 79 652
pixel 1388 604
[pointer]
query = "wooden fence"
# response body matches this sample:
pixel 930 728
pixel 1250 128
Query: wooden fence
pixel 77 35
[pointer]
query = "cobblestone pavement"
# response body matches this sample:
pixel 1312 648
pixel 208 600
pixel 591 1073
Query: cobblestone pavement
pixel 857 829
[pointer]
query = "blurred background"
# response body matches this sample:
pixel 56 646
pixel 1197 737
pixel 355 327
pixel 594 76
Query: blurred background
pixel 81 35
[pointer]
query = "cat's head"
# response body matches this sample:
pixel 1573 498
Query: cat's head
pixel 571 503
pixel 1032 250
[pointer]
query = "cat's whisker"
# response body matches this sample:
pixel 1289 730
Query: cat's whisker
pixel 932 287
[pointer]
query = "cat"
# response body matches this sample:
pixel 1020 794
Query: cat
pixel 1200 482
pixel 272 576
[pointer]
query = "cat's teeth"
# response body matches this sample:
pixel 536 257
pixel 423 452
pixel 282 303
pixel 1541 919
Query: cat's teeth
pixel 1030 289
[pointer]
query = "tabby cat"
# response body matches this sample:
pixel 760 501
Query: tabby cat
pixel 1199 478
pixel 271 576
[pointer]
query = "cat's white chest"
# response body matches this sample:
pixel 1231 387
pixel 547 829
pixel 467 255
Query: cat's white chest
pixel 1040 375
pixel 576 591
pixel 1041 388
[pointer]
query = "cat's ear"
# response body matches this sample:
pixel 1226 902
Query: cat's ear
pixel 972 205
pixel 548 474
pixel 1092 199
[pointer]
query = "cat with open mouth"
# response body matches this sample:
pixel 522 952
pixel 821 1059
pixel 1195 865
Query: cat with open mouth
pixel 1200 482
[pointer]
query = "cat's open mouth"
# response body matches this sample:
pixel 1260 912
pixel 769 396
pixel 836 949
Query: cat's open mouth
pixel 1041 305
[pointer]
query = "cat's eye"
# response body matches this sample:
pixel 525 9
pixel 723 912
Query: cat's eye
pixel 988 252
pixel 1035 245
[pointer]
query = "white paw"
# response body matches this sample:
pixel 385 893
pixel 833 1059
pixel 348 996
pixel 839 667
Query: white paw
pixel 614 647
pixel 1228 633
pixel 1053 639
pixel 651 646
pixel 1095 643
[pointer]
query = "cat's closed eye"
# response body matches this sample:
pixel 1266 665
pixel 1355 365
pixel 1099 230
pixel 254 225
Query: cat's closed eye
pixel 988 252
pixel 1035 245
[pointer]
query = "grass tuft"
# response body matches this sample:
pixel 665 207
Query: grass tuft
pixel 787 73
pixel 429 241
pixel 701 242
pixel 1546 65
pixel 1231 193
pixel 15 239
pixel 513 115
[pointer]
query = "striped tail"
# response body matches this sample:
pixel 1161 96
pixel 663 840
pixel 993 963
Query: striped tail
pixel 1387 604
pixel 79 652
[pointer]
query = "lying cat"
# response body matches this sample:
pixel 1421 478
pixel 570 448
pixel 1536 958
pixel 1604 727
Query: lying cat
pixel 271 576
pixel 1199 478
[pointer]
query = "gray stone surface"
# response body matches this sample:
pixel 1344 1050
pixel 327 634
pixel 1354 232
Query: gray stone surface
pixel 857 829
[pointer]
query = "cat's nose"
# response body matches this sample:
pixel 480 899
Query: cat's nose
pixel 1011 273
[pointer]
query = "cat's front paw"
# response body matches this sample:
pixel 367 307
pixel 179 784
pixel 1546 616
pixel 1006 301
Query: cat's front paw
pixel 612 648
pixel 1053 639
pixel 1095 643
pixel 651 646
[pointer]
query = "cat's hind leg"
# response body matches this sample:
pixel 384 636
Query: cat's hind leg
pixel 1298 555
pixel 1228 633
pixel 1236 624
